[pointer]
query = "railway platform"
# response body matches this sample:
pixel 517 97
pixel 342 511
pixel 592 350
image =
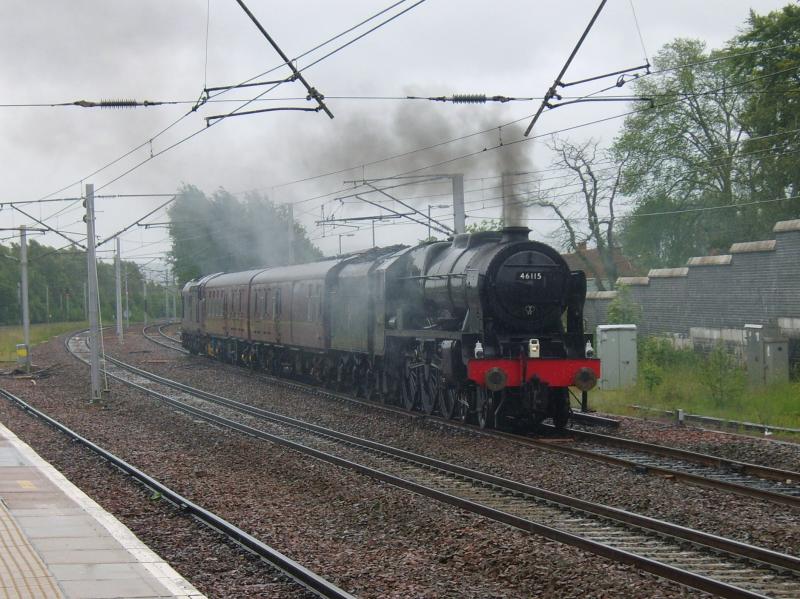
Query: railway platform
pixel 56 542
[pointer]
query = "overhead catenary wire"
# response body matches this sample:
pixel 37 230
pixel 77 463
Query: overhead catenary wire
pixel 552 91
pixel 431 222
pixel 690 210
pixel 357 38
pixel 187 114
pixel 208 29
pixel 592 122
pixel 488 130
pixel 386 97
pixel 639 31
pixel 314 49
pixel 551 133
pixel 456 139
pixel 136 222
pixel 296 74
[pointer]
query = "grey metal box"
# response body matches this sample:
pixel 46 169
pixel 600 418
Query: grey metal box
pixel 616 348
pixel 776 361
pixel 767 355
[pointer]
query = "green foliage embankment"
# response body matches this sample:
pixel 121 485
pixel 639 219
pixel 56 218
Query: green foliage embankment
pixel 10 336
pixel 712 385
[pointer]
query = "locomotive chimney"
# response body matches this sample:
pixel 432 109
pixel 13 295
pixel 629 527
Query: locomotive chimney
pixel 513 207
pixel 514 234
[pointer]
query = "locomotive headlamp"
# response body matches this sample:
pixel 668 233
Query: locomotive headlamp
pixel 585 379
pixel 496 379
pixel 533 348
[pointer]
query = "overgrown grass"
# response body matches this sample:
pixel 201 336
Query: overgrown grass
pixel 11 335
pixel 710 385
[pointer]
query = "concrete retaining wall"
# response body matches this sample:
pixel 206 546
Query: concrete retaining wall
pixel 713 297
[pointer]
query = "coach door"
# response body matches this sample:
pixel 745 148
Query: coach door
pixel 277 313
pixel 226 305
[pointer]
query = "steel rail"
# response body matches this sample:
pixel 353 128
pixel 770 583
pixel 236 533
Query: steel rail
pixel 173 343
pixel 720 424
pixel 754 486
pixel 170 337
pixel 749 468
pixel 654 530
pixel 701 469
pixel 295 571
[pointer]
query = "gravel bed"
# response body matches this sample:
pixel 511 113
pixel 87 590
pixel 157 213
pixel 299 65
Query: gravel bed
pixel 370 538
pixel 745 519
pixel 215 565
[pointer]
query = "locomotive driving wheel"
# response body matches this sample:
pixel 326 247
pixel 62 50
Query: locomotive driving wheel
pixel 412 386
pixel 431 390
pixel 448 402
pixel 366 382
pixel 484 407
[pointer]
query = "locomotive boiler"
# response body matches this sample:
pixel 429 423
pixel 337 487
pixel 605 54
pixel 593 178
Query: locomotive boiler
pixel 485 326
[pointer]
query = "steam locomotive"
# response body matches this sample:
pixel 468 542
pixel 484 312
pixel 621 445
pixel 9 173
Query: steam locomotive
pixel 486 326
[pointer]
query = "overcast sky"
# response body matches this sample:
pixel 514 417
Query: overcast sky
pixel 55 51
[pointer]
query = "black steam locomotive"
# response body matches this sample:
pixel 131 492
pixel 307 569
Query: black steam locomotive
pixel 486 326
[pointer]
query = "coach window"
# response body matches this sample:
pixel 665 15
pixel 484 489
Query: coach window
pixel 277 309
pixel 309 301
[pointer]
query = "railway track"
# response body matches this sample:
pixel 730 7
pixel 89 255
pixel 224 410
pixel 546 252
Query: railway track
pixel 755 480
pixel 162 338
pixel 751 480
pixel 700 560
pixel 287 566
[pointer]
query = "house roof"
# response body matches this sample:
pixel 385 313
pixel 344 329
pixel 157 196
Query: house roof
pixel 624 266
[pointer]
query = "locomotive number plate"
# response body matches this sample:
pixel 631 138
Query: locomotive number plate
pixel 528 275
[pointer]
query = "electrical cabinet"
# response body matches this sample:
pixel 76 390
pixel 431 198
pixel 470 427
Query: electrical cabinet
pixel 616 348
pixel 767 355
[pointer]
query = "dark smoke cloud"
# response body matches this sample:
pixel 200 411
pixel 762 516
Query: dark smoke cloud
pixel 367 136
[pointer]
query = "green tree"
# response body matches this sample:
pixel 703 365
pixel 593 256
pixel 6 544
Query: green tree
pixel 622 309
pixel 768 53
pixel 56 280
pixel 722 377
pixel 222 234
pixel 487 224
pixel 686 152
